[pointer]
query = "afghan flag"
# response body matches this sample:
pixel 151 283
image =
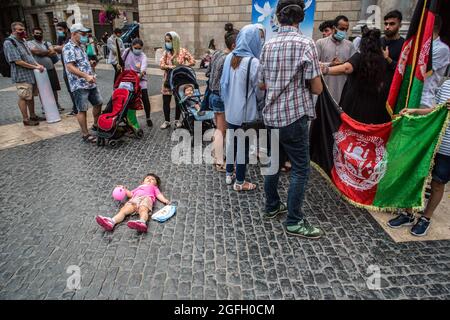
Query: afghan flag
pixel 378 167
pixel 415 60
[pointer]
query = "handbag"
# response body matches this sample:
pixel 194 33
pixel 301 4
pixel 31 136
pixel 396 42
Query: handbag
pixel 258 123
pixel 205 102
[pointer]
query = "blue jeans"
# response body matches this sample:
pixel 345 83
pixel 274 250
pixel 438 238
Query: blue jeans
pixel 236 155
pixel 294 143
pixel 83 96
pixel 216 103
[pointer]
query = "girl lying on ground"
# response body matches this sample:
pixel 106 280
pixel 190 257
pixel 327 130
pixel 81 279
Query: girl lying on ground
pixel 141 202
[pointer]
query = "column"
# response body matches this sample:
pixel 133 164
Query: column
pixel 363 15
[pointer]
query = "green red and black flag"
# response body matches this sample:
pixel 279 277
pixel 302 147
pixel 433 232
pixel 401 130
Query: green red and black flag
pixel 415 60
pixel 378 167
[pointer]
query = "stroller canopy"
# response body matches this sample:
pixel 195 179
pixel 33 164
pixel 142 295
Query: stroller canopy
pixel 182 75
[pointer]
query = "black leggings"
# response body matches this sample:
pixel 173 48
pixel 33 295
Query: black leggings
pixel 116 72
pixel 166 108
pixel 146 102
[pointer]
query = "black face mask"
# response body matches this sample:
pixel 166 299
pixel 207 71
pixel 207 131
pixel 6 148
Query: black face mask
pixel 38 38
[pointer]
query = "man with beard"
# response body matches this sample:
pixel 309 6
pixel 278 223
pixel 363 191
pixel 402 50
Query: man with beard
pixel 392 42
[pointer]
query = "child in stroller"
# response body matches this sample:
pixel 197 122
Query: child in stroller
pixel 192 102
pixel 119 117
pixel 185 88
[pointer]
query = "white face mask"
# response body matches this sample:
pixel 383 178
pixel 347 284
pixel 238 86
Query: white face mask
pixel 137 52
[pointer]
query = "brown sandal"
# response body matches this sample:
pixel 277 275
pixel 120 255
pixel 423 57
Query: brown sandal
pixel 220 168
pixel 246 186
pixel 89 139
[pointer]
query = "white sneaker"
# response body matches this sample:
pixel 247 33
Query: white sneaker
pixel 165 125
pixel 178 124
pixel 229 180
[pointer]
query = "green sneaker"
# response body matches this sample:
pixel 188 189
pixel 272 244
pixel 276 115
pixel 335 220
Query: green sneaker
pixel 273 214
pixel 305 230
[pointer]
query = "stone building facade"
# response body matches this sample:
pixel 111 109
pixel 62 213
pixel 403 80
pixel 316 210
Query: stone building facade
pixel 41 13
pixel 198 21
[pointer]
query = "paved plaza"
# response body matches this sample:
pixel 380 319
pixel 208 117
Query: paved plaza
pixel 217 246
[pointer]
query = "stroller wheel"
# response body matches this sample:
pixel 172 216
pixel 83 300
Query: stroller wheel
pixel 113 143
pixel 140 134
pixel 103 142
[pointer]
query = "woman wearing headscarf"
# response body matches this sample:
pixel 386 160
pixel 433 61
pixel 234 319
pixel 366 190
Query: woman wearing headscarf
pixel 173 57
pixel 240 69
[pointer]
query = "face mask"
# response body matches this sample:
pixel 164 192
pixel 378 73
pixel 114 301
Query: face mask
pixel 169 46
pixel 22 34
pixel 340 35
pixel 38 38
pixel 83 39
pixel 60 33
pixel 137 52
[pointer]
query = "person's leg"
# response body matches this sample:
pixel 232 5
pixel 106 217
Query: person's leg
pixel 116 72
pixel 231 148
pixel 81 117
pixel 126 210
pixel 295 142
pixel 146 102
pixel 437 193
pixel 30 104
pixel 55 94
pixel 81 103
pixel 109 223
pixel 240 154
pixel 96 101
pixel 143 210
pixel 23 109
pixel 219 136
pixel 143 213
pixel 66 81
pixel 273 201
pixel 177 109
pixel 166 107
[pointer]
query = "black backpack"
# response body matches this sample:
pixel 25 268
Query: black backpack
pixel 5 66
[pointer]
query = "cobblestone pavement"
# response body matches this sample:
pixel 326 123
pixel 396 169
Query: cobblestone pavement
pixel 216 247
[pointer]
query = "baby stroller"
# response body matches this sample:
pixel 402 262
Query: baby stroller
pixel 119 117
pixel 179 78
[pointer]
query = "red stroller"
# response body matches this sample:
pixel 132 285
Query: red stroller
pixel 119 117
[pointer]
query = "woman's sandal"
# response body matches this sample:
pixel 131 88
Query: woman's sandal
pixel 89 139
pixel 286 168
pixel 220 167
pixel 246 186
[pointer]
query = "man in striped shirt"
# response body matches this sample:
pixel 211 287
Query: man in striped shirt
pixel 290 74
pixel 440 175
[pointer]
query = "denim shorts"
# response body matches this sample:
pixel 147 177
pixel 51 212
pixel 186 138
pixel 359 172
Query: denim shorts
pixel 83 96
pixel 216 103
pixel 441 171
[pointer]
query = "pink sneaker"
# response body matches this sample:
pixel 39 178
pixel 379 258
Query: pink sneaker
pixel 137 225
pixel 105 223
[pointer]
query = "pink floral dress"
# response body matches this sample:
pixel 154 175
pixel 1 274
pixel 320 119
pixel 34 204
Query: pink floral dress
pixel 184 58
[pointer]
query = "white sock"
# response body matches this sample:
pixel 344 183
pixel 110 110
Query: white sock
pixel 113 221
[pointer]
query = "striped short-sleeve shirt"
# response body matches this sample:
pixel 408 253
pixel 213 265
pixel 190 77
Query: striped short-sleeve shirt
pixel 443 96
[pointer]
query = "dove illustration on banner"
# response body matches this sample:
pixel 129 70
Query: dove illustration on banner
pixel 265 12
